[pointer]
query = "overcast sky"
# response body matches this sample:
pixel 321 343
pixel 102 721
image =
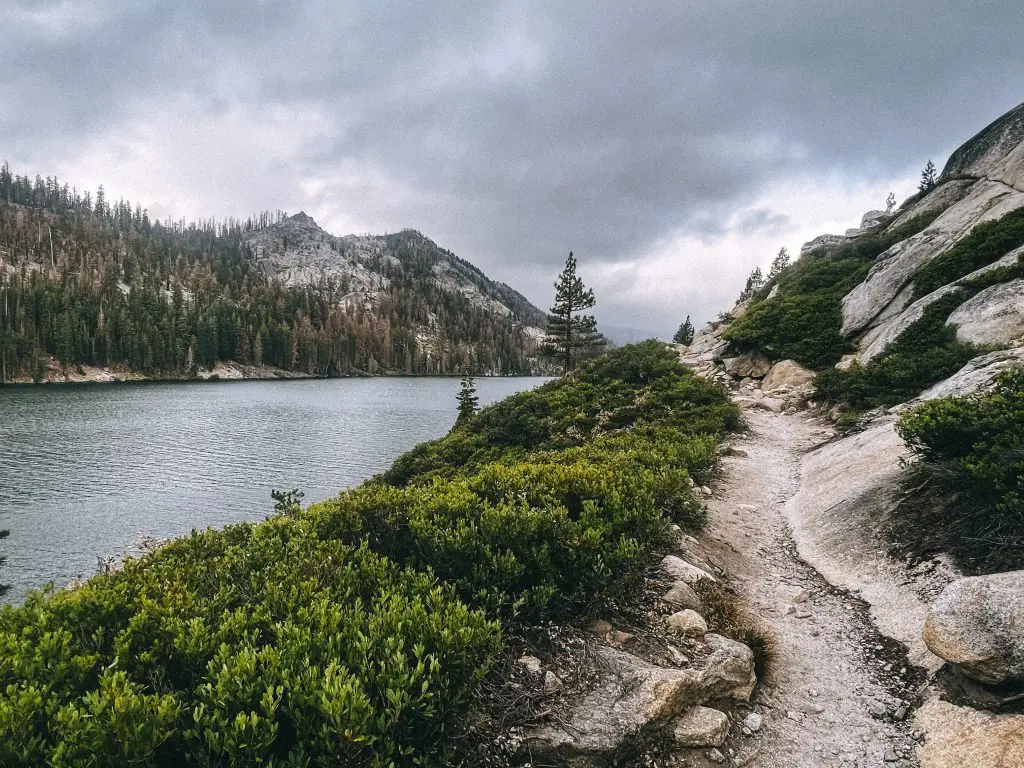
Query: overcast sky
pixel 673 146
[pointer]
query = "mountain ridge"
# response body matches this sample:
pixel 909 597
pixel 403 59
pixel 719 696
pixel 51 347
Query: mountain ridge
pixel 88 283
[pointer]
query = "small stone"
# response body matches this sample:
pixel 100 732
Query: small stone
pixel 599 627
pixel 800 614
pixel 891 756
pixel 753 722
pixel 876 709
pixel 715 756
pixel 682 595
pixel 737 452
pixel 684 571
pixel 678 657
pixel 705 490
pixel 701 727
pixel 687 622
pixel 532 664
pixel 552 682
pixel 620 637
pixel 800 596
pixel 815 709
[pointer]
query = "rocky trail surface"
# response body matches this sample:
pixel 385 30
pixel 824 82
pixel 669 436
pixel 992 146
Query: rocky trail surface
pixel 838 692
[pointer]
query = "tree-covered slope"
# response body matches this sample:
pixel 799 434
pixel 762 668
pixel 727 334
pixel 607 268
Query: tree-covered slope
pixel 90 282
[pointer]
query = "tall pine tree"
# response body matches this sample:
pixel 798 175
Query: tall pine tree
pixel 779 263
pixel 928 178
pixel 468 401
pixel 571 333
pixel 684 335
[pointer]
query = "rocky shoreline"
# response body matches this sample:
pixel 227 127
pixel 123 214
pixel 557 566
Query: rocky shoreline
pixel 91 374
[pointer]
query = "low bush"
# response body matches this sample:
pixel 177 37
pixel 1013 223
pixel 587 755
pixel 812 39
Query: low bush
pixel 972 457
pixel 529 539
pixel 637 385
pixel 803 321
pixel 925 353
pixel 255 645
pixel 986 244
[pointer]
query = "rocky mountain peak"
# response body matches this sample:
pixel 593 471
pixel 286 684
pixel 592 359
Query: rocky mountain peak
pixel 989 149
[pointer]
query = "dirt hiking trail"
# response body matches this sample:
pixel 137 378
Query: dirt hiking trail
pixel 838 693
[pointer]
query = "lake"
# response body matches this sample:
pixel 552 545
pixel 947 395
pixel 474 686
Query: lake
pixel 87 471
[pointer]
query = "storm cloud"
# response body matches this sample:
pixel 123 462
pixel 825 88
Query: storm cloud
pixel 672 146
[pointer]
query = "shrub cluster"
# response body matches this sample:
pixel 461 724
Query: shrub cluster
pixel 925 353
pixel 637 385
pixel 986 244
pixel 972 450
pixel 356 632
pixel 803 321
pixel 254 645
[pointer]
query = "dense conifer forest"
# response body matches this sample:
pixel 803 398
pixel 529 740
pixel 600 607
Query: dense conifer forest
pixel 92 281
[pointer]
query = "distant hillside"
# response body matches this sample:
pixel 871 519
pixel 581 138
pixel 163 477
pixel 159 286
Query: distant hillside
pixel 93 283
pixel 620 336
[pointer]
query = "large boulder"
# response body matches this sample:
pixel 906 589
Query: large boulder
pixel 823 241
pixel 634 696
pixel 994 316
pixel 753 364
pixel 788 374
pixel 977 623
pixel 873 219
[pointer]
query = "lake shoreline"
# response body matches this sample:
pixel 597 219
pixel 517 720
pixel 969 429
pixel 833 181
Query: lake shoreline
pixel 232 371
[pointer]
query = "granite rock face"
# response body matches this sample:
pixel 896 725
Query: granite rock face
pixel 994 316
pixel 896 267
pixel 996 153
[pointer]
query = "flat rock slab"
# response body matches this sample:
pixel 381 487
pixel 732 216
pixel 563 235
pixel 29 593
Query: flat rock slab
pixel 960 737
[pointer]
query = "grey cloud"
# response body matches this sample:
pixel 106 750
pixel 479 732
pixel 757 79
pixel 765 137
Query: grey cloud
pixel 514 131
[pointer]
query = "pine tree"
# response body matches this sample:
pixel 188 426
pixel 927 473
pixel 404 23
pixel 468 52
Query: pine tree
pixel 568 330
pixel 684 335
pixel 780 263
pixel 4 588
pixel 754 283
pixel 928 178
pixel 468 401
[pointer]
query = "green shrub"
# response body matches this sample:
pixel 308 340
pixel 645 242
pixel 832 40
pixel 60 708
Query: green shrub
pixel 972 452
pixel 803 322
pixel 253 644
pixel 986 244
pixel 636 385
pixel 925 353
pixel 538 538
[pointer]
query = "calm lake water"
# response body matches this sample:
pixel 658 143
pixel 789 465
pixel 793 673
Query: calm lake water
pixel 87 471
